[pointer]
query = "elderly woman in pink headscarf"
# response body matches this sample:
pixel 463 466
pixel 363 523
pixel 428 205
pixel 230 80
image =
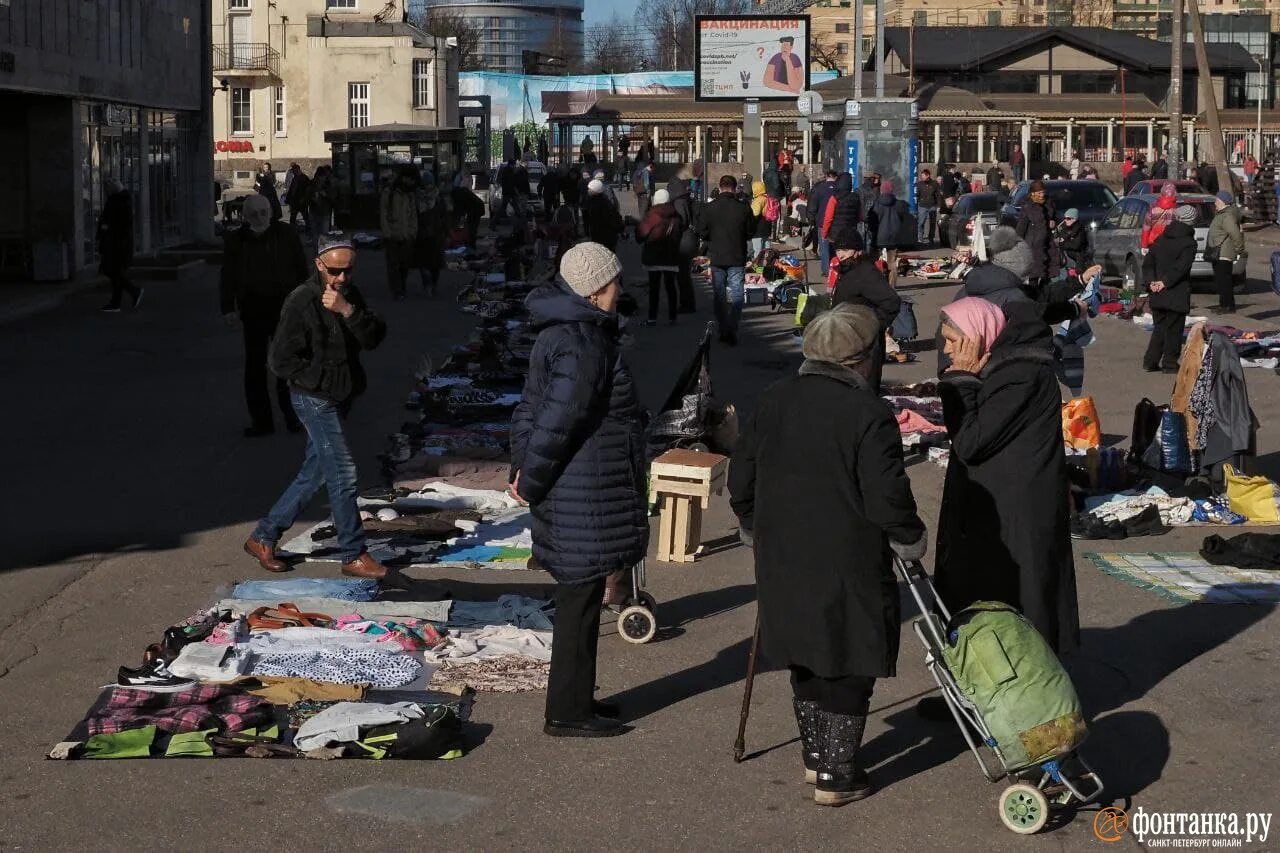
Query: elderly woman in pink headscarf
pixel 1003 532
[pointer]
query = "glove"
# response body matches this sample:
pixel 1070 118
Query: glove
pixel 913 552
pixel 746 537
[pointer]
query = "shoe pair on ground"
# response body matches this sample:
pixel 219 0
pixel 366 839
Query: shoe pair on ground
pixel 603 722
pixel 1145 523
pixel 830 744
pixel 363 566
pixel 114 307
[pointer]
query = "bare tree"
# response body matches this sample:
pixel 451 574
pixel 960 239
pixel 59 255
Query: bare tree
pixel 558 45
pixel 670 24
pixel 447 22
pixel 614 48
pixel 825 54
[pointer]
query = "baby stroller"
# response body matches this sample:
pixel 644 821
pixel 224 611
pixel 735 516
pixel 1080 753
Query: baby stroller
pixel 1038 788
pixel 684 421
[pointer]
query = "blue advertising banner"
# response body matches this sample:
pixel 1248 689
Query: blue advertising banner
pixel 851 160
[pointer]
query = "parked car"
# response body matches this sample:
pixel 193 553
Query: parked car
pixel 536 172
pixel 1091 198
pixel 957 226
pixel 1116 239
pixel 1154 187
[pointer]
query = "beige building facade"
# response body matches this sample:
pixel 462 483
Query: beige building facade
pixel 286 71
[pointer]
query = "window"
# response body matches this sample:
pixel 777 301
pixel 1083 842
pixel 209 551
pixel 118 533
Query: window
pixel 842 48
pixel 424 89
pixel 237 5
pixel 281 129
pixel 920 18
pixel 357 105
pixel 842 28
pixel 340 4
pixel 993 19
pixel 1037 19
pixel 241 110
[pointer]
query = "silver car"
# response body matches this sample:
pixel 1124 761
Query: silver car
pixel 1117 239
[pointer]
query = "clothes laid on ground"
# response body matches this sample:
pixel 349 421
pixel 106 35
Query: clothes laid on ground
pixel 1260 551
pixel 209 662
pixel 1174 512
pixel 517 610
pixel 341 722
pixel 408 635
pixel 286 589
pixel 201 706
pixel 497 675
pixel 912 422
pixel 286 691
pixel 428 611
pixel 342 666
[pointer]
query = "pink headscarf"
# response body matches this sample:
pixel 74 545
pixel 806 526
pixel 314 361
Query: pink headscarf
pixel 977 319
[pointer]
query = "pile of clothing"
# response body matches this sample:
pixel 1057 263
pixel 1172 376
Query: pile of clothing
pixel 317 668
pixel 918 409
pixel 1149 512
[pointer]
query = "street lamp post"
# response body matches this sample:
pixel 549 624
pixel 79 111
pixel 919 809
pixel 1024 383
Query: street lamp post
pixel 1262 85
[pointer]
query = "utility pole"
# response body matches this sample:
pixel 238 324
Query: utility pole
pixel 1175 94
pixel 1217 150
pixel 879 48
pixel 857 48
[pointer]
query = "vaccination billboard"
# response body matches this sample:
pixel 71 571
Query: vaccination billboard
pixel 751 56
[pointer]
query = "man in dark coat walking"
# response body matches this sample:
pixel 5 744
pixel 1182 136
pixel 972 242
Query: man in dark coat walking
pixel 678 188
pixel 861 283
pixel 890 221
pixel 601 221
pixel 1003 530
pixel 1036 221
pixel 115 245
pixel 822 192
pixel 928 200
pixel 725 224
pixel 266 186
pixel 843 212
pixel 1167 272
pixel 577 458
pixel 262 262
pixel 828 601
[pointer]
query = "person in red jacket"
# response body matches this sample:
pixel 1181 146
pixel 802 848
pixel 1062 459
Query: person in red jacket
pixel 1159 216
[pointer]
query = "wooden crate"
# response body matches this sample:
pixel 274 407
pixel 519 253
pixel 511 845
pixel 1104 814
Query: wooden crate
pixel 683 481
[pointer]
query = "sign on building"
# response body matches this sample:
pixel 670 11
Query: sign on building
pixel 751 56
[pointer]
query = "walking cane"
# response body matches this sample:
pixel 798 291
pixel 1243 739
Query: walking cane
pixel 740 745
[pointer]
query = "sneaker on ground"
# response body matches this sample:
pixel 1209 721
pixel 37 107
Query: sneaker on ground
pixel 153 675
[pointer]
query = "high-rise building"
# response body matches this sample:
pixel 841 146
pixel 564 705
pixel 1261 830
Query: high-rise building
pixel 507 29
pixel 94 92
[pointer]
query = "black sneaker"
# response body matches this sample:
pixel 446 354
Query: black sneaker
pixel 1145 523
pixel 153 675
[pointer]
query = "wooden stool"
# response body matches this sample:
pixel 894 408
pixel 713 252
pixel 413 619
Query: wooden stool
pixel 684 481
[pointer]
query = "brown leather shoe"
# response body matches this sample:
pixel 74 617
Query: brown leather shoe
pixel 265 555
pixel 365 566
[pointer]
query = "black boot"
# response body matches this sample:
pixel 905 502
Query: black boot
pixel 808 719
pixel 840 780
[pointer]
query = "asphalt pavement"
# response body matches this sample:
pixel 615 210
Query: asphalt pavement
pixel 128 491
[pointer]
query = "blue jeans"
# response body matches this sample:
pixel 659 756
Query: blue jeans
pixel 727 289
pixel 924 231
pixel 824 254
pixel 328 463
pixel 1018 173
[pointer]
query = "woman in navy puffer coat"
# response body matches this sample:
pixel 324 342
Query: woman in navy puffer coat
pixel 577 457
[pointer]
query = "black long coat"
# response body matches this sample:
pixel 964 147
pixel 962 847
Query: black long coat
pixel 1033 227
pixel 817 476
pixel 1003 530
pixel 578 442
pixel 115 233
pixel 1169 260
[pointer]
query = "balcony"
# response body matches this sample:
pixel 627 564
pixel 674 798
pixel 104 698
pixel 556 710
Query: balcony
pixel 246 59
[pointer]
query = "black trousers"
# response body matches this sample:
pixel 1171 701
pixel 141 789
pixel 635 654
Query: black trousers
pixel 576 635
pixel 120 284
pixel 657 281
pixel 1222 281
pixel 258 331
pixel 1166 339
pixel 849 694
pixel 684 283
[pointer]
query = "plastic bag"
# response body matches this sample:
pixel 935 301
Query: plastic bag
pixel 1256 498
pixel 1169 451
pixel 1081 429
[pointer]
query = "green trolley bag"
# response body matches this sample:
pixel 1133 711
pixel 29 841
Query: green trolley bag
pixel 1006 669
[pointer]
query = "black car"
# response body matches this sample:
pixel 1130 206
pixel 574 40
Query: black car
pixel 1092 198
pixel 957 226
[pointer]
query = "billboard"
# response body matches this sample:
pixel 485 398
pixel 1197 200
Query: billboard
pixel 751 56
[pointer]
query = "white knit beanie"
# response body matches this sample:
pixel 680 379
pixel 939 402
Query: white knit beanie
pixel 595 186
pixel 587 267
pixel 661 197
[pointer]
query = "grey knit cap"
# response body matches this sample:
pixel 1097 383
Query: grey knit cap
pixel 333 240
pixel 1185 213
pixel 587 267
pixel 844 335
pixel 1009 251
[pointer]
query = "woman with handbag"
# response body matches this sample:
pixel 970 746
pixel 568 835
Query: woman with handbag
pixel 659 232
pixel 1223 246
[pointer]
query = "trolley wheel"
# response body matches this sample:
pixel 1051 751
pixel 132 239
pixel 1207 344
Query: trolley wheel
pixel 698 447
pixel 1024 808
pixel 646 601
pixel 637 624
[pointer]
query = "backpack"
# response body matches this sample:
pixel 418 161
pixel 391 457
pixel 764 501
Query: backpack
pixel 771 210
pixel 1011 675
pixel 1146 421
pixel 904 325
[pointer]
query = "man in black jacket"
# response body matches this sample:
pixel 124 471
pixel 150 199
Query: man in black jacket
pixel 1167 272
pixel 862 283
pixel 928 198
pixel 324 325
pixel 262 262
pixel 726 224
pixel 818 198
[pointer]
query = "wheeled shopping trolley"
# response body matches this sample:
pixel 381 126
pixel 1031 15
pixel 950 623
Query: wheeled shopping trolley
pixel 1036 790
pixel 638 619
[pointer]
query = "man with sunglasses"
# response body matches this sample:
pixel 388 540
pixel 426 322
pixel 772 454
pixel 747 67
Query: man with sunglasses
pixel 324 325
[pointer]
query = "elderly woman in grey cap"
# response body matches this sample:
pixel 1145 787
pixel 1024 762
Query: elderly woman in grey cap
pixel 1167 272
pixel 828 602
pixel 577 449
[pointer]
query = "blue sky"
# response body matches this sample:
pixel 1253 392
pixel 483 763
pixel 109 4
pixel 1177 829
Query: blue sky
pixel 600 11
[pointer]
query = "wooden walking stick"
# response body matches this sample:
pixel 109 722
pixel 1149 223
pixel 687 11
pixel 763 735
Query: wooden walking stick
pixel 740 745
